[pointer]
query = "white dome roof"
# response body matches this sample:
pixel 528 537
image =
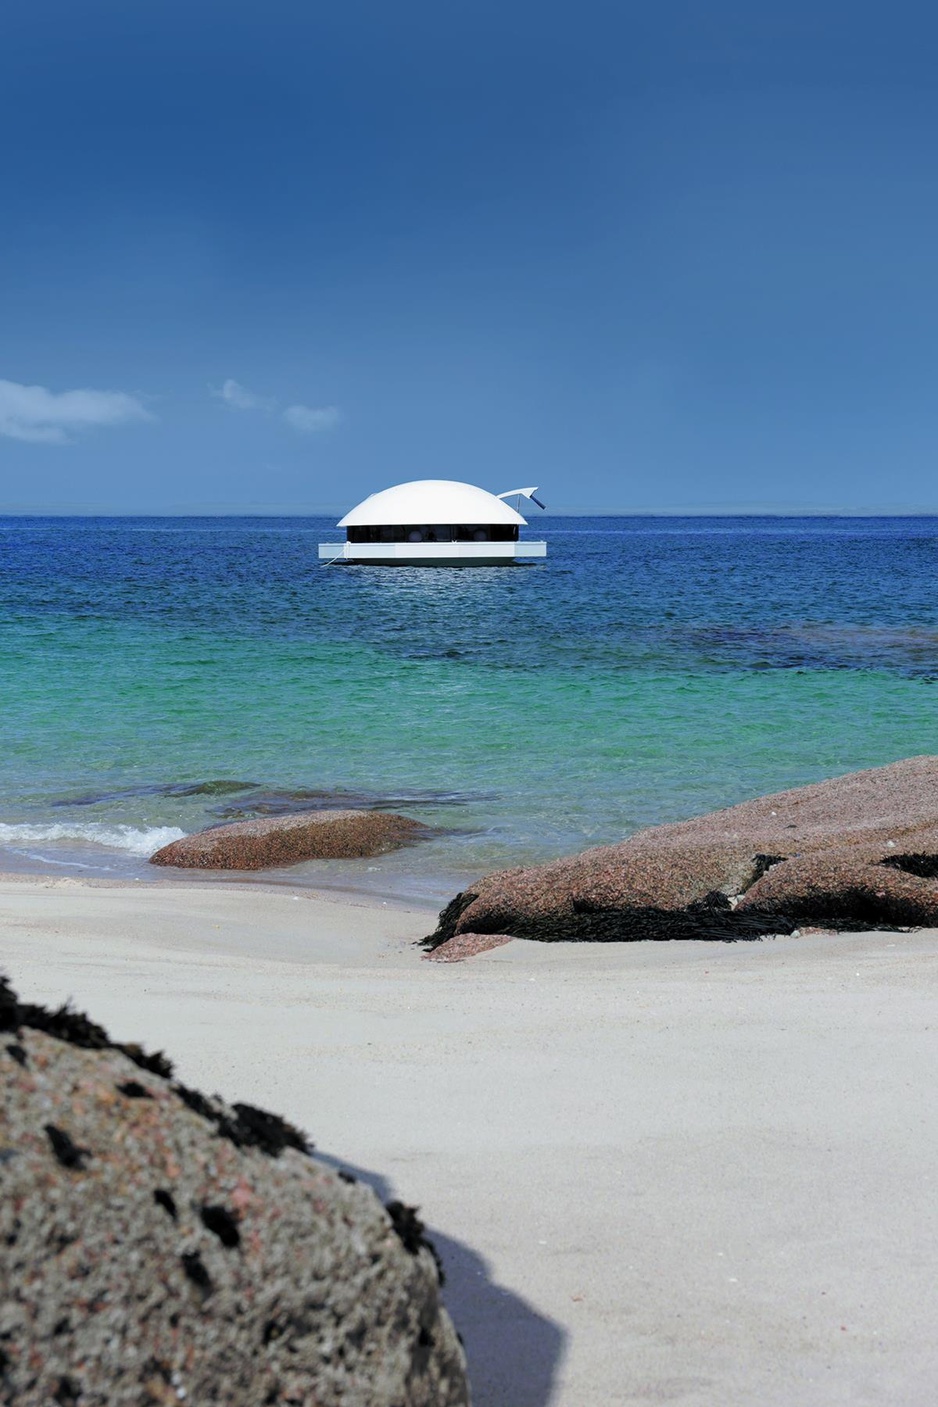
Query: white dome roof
pixel 430 501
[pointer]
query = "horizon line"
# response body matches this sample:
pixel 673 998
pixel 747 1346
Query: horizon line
pixel 257 511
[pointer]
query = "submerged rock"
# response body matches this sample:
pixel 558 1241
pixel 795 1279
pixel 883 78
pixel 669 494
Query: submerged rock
pixel 856 851
pixel 158 1247
pixel 286 840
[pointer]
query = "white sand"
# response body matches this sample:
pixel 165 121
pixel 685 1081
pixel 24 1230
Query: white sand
pixel 685 1173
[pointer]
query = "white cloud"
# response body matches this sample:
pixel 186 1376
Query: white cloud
pixel 40 416
pixel 310 420
pixel 307 420
pixel 240 398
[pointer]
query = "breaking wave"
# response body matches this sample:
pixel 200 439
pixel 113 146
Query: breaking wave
pixel 132 839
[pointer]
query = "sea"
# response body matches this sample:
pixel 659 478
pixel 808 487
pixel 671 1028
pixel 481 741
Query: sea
pixel 161 675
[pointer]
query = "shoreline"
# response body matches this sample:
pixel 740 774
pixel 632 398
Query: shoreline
pixel 270 922
pixel 237 881
pixel 430 889
pixel 649 1167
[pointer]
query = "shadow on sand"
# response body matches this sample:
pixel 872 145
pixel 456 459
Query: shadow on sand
pixel 513 1351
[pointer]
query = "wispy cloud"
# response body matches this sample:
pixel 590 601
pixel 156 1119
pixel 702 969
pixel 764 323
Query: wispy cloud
pixel 41 416
pixel 311 420
pixel 240 398
pixel 305 419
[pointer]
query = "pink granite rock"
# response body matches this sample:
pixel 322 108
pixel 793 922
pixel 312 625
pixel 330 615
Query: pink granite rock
pixel 158 1246
pixel 286 840
pixel 467 945
pixel 853 851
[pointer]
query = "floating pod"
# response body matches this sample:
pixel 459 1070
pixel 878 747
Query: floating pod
pixel 435 523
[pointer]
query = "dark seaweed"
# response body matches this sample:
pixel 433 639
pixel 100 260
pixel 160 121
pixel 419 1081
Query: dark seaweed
pixel 448 919
pixel 257 1128
pixel 195 1270
pixel 166 1200
pixel 710 919
pixel 133 1089
pixel 411 1230
pixel 67 1024
pixel 68 1153
pixel 156 1064
pixel 197 1102
pixel 763 863
pixel 923 866
pixel 250 1128
pixel 220 1221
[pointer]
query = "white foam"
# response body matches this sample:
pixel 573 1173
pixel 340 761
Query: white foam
pixel 130 838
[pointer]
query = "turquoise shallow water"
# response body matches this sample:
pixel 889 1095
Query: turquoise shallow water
pixel 648 670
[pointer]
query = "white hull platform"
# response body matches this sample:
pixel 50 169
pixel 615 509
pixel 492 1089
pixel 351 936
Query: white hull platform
pixel 431 554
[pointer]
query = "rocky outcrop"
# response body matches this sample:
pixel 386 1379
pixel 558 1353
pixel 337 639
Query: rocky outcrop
pixel 856 851
pixel 159 1247
pixel 286 840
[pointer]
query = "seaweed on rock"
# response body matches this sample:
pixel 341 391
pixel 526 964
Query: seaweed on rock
pixel 923 866
pixel 251 1127
pixel 823 854
pixel 350 1308
pixel 711 919
pixel 75 1027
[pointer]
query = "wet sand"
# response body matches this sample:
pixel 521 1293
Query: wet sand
pixel 661 1172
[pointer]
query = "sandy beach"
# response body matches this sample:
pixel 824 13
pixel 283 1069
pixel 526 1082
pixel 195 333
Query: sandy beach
pixel 656 1172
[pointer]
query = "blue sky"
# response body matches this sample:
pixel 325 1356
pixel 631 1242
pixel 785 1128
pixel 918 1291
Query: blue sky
pixel 670 257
